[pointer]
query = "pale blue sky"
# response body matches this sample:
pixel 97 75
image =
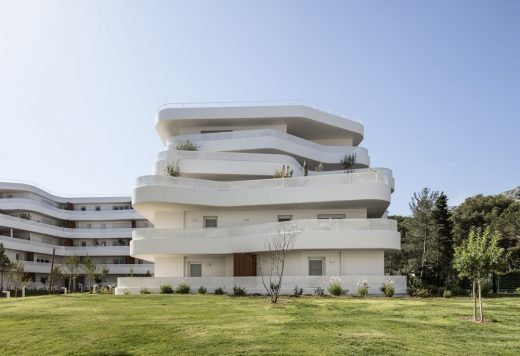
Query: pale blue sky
pixel 436 83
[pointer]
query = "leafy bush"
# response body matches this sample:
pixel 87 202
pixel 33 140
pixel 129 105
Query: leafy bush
pixel 388 288
pixel 335 287
pixel 173 169
pixel 423 292
pixel 183 288
pixel 186 146
pixel 166 289
pixel 145 290
pixel 202 290
pixel 297 291
pixel 319 291
pixel 363 289
pixel 239 291
pixel 126 292
pixel 219 291
pixel 518 290
pixel 461 292
pixel 446 293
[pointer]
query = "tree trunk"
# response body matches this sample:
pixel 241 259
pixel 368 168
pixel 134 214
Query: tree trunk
pixel 480 300
pixel 474 294
pixel 423 259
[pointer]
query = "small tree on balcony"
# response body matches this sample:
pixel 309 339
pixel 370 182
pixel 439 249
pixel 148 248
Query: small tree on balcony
pixel 278 247
pixel 173 169
pixel 186 146
pixel 348 162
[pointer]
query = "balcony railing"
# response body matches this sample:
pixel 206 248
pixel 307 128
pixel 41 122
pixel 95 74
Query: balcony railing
pixel 266 133
pixel 41 247
pixel 370 176
pixel 64 232
pixel 72 214
pixel 113 268
pixel 303 225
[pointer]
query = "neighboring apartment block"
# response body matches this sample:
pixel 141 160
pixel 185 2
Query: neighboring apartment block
pixel 239 173
pixel 34 223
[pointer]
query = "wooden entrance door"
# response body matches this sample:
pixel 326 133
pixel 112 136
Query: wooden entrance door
pixel 244 264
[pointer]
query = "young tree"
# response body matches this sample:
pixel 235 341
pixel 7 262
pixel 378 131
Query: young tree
pixel 104 270
pixel 53 278
pixel 5 265
pixel 477 257
pixel 17 276
pixel 70 268
pixel 422 230
pixel 90 269
pixel 278 247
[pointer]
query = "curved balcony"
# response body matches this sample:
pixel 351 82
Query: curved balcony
pixel 46 229
pixel 18 186
pixel 302 120
pixel 141 268
pixel 34 205
pixel 271 141
pixel 40 247
pixel 368 190
pixel 380 234
pixel 226 164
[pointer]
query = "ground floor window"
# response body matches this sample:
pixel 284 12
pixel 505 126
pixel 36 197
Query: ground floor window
pixel 195 270
pixel 316 266
pixel 210 222
pixel 331 216
pixel 283 218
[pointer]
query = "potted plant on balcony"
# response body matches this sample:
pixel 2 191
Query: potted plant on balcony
pixel 173 169
pixel 348 162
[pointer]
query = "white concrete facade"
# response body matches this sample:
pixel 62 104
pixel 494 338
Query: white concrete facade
pixel 34 223
pixel 213 220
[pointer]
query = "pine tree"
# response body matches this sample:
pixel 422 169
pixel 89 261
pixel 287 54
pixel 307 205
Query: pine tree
pixel 443 240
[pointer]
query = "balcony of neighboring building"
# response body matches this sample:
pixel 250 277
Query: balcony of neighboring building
pixel 28 224
pixel 113 268
pixel 322 234
pixel 27 245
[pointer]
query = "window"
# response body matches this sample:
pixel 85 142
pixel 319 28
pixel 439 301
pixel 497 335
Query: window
pixel 315 266
pixel 214 131
pixel 103 226
pixel 331 216
pixel 98 208
pixel 210 222
pixel 83 208
pixel 282 218
pixel 43 260
pixel 195 270
pixel 83 243
pixel 89 226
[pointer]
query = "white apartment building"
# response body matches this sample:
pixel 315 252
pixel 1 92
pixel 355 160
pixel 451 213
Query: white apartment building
pixel 212 221
pixel 34 223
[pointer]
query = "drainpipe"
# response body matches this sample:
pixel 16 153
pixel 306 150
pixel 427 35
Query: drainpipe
pixel 340 262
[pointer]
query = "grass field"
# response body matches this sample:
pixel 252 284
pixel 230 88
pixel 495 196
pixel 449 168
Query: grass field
pixel 201 325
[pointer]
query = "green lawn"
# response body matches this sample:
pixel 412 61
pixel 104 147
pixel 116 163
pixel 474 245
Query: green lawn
pixel 200 325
